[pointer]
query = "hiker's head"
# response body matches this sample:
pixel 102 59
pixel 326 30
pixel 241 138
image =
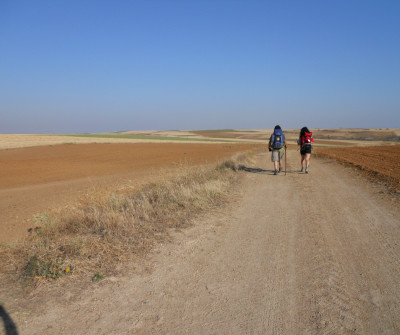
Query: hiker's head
pixel 304 130
pixel 277 127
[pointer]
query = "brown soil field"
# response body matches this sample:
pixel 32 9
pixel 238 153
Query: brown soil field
pixel 331 143
pixel 37 179
pixel 378 162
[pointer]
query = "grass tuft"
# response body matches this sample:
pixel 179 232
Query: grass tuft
pixel 45 268
pixel 97 277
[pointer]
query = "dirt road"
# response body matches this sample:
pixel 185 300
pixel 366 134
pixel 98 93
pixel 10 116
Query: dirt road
pixel 301 254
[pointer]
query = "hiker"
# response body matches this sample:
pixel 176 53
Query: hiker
pixel 305 141
pixel 277 144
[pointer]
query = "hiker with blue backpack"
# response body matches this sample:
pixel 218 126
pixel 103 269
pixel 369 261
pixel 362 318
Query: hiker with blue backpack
pixel 277 145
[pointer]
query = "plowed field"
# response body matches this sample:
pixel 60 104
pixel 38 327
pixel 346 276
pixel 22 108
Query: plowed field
pixel 378 162
pixel 36 179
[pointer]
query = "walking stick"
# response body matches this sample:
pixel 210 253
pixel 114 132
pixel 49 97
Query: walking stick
pixel 285 160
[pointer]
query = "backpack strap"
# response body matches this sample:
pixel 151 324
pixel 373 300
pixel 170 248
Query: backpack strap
pixel 272 139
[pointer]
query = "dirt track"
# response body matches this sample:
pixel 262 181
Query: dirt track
pixel 277 261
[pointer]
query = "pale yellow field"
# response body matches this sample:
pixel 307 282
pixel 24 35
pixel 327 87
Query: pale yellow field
pixel 9 141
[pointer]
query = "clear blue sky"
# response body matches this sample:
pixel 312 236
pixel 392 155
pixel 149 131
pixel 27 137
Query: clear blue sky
pixel 93 66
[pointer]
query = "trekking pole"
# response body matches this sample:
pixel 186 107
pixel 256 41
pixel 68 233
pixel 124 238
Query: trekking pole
pixel 285 160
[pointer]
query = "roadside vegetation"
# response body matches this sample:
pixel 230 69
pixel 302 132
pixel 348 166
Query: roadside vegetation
pixel 104 230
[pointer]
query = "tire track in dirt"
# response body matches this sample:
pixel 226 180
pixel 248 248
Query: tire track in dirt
pixel 330 301
pixel 301 254
pixel 354 248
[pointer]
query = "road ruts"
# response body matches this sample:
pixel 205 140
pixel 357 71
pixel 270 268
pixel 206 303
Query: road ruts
pixel 353 273
pixel 327 305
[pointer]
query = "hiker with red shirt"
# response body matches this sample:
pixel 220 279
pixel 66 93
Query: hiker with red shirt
pixel 305 141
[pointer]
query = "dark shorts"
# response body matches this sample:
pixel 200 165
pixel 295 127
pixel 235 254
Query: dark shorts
pixel 305 149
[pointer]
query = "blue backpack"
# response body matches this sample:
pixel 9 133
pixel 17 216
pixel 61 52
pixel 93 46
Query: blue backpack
pixel 277 139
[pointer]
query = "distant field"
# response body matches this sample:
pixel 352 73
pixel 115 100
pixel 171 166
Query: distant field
pixel 325 134
pixel 10 141
pixel 358 134
pixel 215 131
pixel 323 137
pixel 234 134
pixel 142 137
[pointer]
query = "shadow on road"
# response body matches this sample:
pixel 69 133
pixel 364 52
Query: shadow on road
pixel 9 326
pixel 253 170
pixel 271 172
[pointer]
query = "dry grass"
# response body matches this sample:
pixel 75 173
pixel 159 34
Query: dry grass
pixel 107 229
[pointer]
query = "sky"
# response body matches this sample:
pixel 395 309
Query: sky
pixel 95 66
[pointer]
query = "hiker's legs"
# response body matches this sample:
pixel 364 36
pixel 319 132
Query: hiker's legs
pixel 307 158
pixel 275 159
pixel 302 161
pixel 281 155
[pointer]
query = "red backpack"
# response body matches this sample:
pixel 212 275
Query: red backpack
pixel 307 138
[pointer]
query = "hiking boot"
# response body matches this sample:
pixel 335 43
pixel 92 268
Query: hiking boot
pixel 302 169
pixel 280 170
pixel 275 172
pixel 306 170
